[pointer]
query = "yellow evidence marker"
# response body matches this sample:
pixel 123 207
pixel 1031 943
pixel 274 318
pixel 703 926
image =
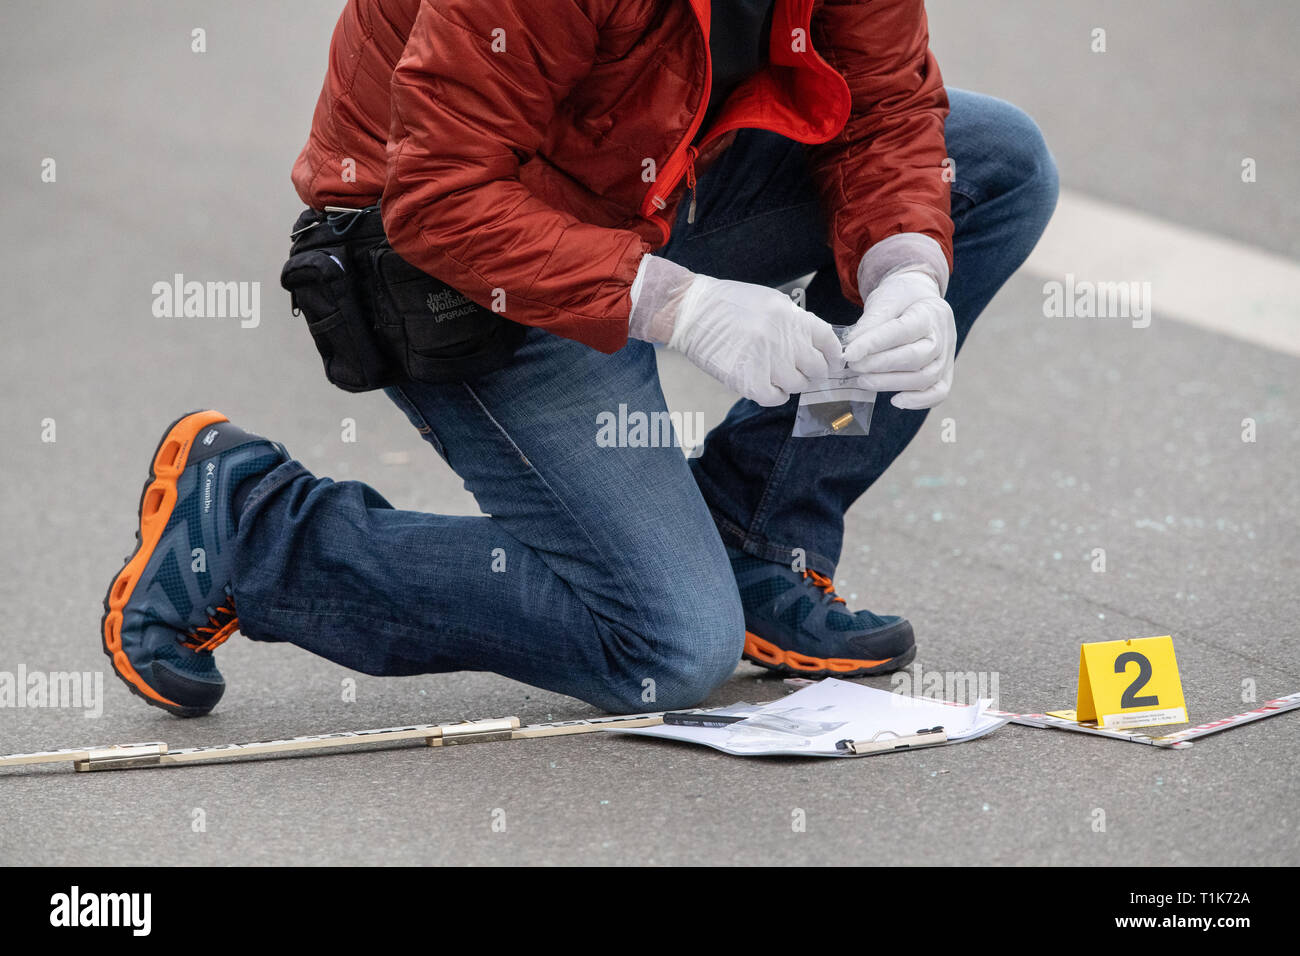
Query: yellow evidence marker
pixel 1130 683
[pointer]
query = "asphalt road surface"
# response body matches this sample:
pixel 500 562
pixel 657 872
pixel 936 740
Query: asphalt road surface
pixel 1072 435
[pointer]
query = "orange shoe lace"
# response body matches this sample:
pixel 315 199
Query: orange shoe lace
pixel 823 582
pixel 222 622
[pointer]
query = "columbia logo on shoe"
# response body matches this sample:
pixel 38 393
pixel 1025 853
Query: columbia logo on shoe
pixel 209 470
pixel 210 437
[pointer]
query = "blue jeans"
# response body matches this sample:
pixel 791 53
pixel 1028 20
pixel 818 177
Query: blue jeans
pixel 599 571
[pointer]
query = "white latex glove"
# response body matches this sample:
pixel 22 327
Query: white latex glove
pixel 906 340
pixel 753 339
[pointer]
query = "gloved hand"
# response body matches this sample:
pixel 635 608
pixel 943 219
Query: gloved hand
pixel 906 340
pixel 751 338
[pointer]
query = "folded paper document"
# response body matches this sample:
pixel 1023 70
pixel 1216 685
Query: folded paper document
pixel 832 718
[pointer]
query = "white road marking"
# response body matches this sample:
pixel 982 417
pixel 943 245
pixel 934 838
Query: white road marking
pixel 1198 278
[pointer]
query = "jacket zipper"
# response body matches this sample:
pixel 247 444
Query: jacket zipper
pixel 657 200
pixel 691 153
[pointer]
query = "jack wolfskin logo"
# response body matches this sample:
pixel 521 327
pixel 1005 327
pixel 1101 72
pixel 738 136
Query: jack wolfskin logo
pixel 448 305
pixel 210 437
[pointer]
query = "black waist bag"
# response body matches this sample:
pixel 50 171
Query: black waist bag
pixel 376 319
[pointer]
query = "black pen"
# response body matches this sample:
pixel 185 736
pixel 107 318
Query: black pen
pixel 700 720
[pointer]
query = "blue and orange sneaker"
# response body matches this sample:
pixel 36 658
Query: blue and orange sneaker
pixel 795 623
pixel 172 604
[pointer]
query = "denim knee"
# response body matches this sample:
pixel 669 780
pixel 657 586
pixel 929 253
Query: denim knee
pixel 687 653
pixel 1030 167
pixel 705 648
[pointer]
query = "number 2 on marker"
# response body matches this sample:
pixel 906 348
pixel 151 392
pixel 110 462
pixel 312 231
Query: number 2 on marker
pixel 1131 698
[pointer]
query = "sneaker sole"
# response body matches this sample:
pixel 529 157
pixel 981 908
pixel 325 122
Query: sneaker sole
pixel 766 654
pixel 157 500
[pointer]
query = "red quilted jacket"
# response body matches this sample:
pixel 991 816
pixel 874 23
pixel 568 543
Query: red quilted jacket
pixel 541 146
